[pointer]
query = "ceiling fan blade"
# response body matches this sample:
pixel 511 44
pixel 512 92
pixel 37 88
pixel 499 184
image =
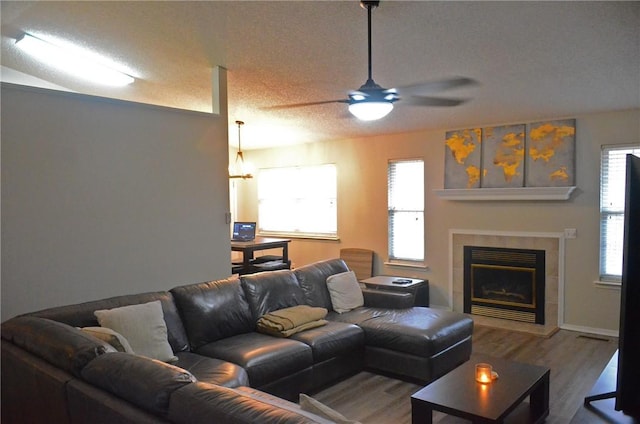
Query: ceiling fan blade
pixel 294 105
pixel 431 101
pixel 438 85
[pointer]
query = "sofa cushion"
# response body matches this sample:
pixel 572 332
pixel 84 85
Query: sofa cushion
pixel 82 314
pixel 203 403
pixel 115 339
pixel 331 340
pixel 145 382
pixel 312 279
pixel 418 331
pixel 345 291
pixel 143 326
pixel 265 358
pixel 213 310
pixel 59 344
pixel 270 291
pixel 211 370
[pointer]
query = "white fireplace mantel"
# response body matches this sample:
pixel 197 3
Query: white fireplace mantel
pixel 518 193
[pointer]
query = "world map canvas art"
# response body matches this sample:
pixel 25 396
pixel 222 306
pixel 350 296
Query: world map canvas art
pixel 503 156
pixel 462 158
pixel 540 154
pixel 551 153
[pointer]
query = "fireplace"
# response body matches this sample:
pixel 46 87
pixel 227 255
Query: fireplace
pixel 505 283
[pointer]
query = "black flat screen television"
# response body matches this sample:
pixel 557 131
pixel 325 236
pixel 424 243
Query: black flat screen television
pixel 627 390
pixel 628 381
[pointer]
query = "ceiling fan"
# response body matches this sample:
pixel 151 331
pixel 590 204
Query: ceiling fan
pixel 371 101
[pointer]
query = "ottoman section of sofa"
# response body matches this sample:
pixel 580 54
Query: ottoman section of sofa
pixel 265 358
pixel 418 331
pixel 419 343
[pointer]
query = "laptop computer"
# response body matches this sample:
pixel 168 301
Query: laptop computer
pixel 244 231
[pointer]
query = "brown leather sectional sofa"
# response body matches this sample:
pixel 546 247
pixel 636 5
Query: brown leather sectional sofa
pixel 226 371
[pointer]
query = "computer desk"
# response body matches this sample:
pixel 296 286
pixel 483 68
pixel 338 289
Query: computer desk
pixel 260 243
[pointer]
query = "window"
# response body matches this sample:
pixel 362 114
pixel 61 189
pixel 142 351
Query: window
pixel 298 201
pixel 406 210
pixel 612 185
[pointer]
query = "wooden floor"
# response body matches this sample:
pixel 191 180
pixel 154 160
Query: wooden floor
pixel 575 359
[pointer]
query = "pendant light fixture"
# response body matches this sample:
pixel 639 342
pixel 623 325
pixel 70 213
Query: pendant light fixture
pixel 241 168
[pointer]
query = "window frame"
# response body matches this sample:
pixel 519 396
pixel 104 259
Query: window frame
pixel 616 211
pixel 299 191
pixel 393 257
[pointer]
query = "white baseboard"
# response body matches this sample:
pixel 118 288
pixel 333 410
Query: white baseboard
pixel 590 330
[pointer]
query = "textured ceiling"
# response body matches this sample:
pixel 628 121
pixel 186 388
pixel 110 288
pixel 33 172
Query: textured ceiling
pixel 533 60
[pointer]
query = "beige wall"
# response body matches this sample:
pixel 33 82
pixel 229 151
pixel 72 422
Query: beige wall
pixel 104 197
pixel 362 217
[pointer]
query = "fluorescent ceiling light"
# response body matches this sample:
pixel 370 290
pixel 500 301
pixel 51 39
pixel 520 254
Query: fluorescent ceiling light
pixel 370 111
pixel 72 62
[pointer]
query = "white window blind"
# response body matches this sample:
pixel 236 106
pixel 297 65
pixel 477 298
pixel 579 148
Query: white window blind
pixel 612 186
pixel 406 210
pixel 298 201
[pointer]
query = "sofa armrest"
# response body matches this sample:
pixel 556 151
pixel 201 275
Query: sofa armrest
pixel 203 403
pixel 387 299
pixel 144 382
pixel 57 343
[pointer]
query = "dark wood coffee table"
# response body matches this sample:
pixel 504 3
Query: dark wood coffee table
pixel 457 393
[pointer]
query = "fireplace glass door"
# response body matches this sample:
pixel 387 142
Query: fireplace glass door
pixel 504 283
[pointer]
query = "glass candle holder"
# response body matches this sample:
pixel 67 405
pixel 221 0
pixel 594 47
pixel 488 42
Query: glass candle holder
pixel 484 373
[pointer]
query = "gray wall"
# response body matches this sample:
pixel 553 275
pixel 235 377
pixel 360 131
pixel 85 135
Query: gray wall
pixel 104 197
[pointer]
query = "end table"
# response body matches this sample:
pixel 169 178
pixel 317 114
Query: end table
pixel 419 288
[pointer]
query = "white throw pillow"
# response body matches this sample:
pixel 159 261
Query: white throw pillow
pixel 143 326
pixel 345 292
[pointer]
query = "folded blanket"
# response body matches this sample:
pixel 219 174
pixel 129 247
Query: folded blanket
pixel 294 330
pixel 294 318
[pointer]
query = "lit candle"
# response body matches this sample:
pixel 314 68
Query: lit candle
pixel 483 373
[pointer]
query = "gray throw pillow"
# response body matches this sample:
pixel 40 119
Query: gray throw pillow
pixel 345 291
pixel 143 326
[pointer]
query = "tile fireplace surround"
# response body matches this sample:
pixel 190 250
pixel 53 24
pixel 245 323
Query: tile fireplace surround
pixel 551 243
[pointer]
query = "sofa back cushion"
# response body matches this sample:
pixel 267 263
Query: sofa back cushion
pixel 59 344
pixel 313 281
pixel 214 310
pixel 145 382
pixel 271 291
pixel 82 314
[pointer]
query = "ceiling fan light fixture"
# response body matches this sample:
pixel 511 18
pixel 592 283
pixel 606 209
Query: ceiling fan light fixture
pixel 370 110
